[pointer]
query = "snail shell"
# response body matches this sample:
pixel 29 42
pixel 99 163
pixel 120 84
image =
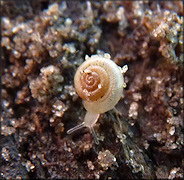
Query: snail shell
pixel 99 82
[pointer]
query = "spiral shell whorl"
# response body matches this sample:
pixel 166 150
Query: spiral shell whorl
pixel 99 82
pixel 94 83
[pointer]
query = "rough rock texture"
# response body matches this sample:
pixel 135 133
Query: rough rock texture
pixel 42 45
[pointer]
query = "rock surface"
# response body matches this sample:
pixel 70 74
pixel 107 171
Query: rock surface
pixel 44 42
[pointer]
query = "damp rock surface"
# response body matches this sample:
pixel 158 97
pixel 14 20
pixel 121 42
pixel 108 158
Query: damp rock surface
pixel 42 45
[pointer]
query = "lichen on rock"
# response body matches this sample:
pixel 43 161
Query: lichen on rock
pixel 48 84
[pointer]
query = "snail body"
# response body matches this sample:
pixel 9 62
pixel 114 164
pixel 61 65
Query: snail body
pixel 99 82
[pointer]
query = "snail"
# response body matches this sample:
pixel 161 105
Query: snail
pixel 99 82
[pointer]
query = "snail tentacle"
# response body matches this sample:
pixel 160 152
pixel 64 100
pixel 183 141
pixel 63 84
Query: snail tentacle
pixel 94 135
pixel 75 128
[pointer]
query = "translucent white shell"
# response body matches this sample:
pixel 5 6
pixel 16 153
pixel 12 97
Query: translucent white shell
pixel 114 90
